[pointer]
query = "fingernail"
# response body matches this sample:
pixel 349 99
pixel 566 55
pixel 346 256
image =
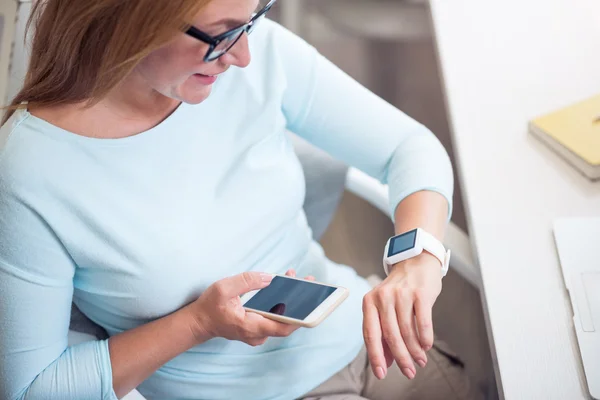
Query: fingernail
pixel 380 373
pixel 266 277
pixel 421 363
pixel 408 373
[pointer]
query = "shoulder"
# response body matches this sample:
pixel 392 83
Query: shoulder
pixel 8 132
pixel 29 246
pixel 9 127
pixel 23 151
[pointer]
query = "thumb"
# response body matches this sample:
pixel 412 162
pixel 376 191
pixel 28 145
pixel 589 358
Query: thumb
pixel 245 282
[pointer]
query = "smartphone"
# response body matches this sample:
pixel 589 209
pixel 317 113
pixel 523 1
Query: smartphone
pixel 295 301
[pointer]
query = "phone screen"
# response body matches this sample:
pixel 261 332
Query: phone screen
pixel 290 297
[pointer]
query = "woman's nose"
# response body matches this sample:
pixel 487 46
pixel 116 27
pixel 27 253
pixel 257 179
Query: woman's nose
pixel 239 54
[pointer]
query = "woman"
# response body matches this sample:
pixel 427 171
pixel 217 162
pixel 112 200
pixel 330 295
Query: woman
pixel 145 174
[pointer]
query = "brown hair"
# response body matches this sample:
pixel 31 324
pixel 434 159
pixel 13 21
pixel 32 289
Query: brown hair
pixel 82 49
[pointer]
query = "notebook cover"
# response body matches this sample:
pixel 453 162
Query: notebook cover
pixel 576 127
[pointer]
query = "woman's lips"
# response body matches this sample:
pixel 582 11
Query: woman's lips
pixel 205 79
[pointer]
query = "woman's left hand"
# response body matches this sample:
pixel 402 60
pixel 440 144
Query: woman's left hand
pixel 397 321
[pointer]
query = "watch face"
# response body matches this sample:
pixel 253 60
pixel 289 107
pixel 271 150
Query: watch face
pixel 402 243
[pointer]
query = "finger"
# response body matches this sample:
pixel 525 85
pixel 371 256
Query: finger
pixel 240 284
pixel 258 326
pixel 291 273
pixel 395 341
pixel 256 342
pixel 389 357
pixel 408 329
pixel 372 335
pixel 423 311
pixel 310 278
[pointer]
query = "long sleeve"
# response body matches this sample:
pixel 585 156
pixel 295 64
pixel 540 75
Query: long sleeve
pixel 334 112
pixel 36 287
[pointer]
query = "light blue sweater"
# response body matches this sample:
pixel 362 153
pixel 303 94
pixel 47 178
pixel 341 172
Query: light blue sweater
pixel 132 229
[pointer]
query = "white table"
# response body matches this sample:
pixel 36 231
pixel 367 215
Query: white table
pixel 503 63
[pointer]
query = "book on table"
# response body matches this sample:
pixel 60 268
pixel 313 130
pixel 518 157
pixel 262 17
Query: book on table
pixel 574 133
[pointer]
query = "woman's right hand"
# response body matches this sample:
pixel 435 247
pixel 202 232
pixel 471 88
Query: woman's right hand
pixel 218 312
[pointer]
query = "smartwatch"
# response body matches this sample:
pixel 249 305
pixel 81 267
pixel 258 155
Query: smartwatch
pixel 411 244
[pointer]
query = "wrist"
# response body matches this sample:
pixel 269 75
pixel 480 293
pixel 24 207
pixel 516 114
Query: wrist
pixel 423 260
pixel 196 324
pixel 415 248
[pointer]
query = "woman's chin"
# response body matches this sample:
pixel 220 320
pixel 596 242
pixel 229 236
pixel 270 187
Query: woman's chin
pixel 197 95
pixel 196 88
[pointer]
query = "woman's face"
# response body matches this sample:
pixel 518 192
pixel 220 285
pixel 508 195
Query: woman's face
pixel 178 70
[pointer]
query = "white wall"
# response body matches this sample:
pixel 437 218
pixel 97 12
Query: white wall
pixel 8 9
pixel 20 53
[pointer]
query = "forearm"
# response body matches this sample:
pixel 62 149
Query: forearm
pixel 425 209
pixel 138 353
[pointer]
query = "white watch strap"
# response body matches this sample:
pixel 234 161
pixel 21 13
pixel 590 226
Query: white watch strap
pixel 430 244
pixel 386 267
pixel 435 247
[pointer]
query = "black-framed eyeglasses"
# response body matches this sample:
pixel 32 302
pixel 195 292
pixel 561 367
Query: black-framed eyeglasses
pixel 221 44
